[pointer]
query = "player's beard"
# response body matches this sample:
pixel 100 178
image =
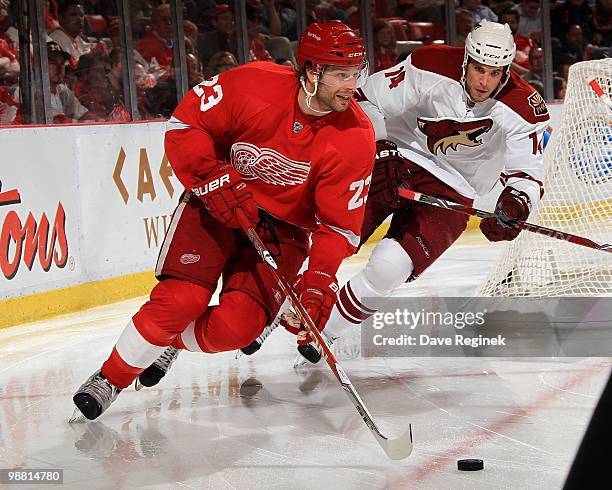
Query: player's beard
pixel 328 99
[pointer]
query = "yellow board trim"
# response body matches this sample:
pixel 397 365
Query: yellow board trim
pixel 473 224
pixel 41 306
pixel 596 210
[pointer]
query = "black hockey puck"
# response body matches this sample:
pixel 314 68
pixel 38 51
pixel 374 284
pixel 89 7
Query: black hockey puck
pixel 470 464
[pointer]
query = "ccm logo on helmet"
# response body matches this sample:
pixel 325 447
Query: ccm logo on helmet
pixel 353 55
pixel 314 35
pixel 211 185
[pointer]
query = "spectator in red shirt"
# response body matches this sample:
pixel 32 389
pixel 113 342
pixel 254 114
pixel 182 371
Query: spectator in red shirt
pixel 51 22
pixel 254 21
pixel 8 26
pixel 9 66
pixel 9 74
pixel 385 51
pixel 524 44
pixel 157 43
pixel 352 13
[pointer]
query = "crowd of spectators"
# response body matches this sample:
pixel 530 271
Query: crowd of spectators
pixel 85 54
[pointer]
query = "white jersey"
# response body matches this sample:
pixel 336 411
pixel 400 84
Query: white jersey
pixel 65 102
pixel 422 107
pixel 75 47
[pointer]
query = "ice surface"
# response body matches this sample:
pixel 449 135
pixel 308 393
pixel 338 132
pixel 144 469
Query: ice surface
pixel 218 422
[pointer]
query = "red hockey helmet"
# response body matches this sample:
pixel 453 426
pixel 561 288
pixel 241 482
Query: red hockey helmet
pixel 332 43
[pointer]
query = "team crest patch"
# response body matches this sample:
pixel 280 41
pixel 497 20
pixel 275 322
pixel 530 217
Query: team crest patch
pixel 189 259
pixel 268 165
pixel 448 133
pixel 537 104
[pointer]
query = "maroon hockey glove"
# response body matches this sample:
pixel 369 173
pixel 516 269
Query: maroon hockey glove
pixel 511 205
pixel 317 292
pixel 390 171
pixel 223 193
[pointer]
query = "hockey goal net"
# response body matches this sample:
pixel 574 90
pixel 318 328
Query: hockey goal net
pixel 578 200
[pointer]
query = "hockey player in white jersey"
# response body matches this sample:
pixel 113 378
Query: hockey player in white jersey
pixel 456 121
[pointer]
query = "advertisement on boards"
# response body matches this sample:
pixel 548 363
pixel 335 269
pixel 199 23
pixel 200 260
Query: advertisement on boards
pixel 128 193
pixel 39 213
pixel 81 204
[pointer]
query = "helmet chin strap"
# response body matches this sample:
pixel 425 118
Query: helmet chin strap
pixel 310 95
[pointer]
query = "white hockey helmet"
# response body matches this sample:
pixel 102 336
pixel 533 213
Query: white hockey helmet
pixel 491 44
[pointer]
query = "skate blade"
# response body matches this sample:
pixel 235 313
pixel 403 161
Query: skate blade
pixel 299 362
pixel 77 417
pixel 239 354
pixel 137 385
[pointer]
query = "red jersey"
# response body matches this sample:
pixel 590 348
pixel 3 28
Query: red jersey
pixel 312 172
pixel 6 51
pixel 153 46
pixel 523 46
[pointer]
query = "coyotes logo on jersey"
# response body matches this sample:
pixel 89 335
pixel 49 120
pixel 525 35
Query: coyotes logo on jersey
pixel 448 133
pixel 268 165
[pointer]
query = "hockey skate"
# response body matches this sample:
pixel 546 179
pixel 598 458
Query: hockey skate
pixel 156 371
pixel 311 352
pixel 94 396
pixel 258 342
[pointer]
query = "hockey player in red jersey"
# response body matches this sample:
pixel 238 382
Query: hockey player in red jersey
pixel 454 122
pixel 296 155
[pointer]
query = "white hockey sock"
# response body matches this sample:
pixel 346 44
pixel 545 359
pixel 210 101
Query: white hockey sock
pixel 389 266
pixel 135 350
pixel 351 308
pixel 188 338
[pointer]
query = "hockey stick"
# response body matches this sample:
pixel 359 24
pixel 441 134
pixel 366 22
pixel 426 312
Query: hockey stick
pixel 399 448
pixel 522 225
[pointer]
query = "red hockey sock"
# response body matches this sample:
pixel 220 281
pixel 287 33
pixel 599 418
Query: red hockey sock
pixel 234 323
pixel 118 372
pixel 174 304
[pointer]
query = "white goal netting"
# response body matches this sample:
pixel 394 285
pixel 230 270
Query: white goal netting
pixel 577 200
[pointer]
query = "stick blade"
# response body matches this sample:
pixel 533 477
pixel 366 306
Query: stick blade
pixel 398 448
